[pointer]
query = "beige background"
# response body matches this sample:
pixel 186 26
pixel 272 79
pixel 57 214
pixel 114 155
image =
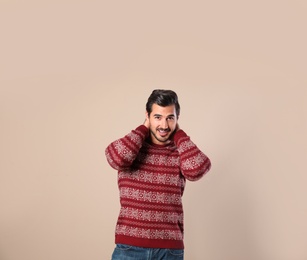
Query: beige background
pixel 75 75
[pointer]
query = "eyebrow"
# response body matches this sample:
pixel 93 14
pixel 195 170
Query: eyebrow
pixel 166 116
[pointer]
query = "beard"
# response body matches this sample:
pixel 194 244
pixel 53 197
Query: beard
pixel 161 135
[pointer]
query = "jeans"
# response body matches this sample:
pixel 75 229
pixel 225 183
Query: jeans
pixel 126 252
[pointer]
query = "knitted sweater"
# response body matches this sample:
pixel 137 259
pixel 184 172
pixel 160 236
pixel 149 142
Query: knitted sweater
pixel 151 181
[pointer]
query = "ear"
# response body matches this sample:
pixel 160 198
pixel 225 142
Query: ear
pixel 146 115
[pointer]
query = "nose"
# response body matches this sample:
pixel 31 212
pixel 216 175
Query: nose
pixel 164 124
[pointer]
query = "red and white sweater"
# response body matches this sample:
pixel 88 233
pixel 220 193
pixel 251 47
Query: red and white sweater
pixel 151 180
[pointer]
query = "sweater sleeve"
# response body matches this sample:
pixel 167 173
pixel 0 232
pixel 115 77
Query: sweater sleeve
pixel 194 163
pixel 121 153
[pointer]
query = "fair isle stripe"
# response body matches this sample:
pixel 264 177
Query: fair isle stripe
pixel 151 196
pixel 151 206
pixel 148 233
pixel 162 170
pixel 152 216
pixel 136 137
pixel 185 144
pixel 114 159
pixel 152 177
pixel 189 171
pixel 149 187
pixel 150 225
pixel 193 161
pixel 160 160
pixel 124 150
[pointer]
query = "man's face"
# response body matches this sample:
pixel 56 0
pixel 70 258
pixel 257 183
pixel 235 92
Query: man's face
pixel 162 123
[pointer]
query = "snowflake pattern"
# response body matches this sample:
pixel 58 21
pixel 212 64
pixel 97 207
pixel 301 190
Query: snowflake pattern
pixel 151 215
pixel 148 233
pixel 150 196
pixel 151 177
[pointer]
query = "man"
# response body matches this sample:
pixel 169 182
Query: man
pixel 153 163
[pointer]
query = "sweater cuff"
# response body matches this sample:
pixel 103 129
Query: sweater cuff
pixel 179 134
pixel 143 129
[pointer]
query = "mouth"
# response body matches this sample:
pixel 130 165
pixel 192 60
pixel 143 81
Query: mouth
pixel 163 132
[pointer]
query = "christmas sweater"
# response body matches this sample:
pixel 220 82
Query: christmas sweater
pixel 151 181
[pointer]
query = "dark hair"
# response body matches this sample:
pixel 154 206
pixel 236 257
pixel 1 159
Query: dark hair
pixel 163 98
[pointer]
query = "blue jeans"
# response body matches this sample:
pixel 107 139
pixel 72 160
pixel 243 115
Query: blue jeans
pixel 126 252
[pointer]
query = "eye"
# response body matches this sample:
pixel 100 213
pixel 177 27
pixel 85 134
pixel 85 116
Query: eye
pixel 171 118
pixel 157 117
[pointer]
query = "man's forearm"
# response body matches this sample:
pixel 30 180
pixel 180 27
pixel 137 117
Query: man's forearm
pixel 121 153
pixel 193 162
